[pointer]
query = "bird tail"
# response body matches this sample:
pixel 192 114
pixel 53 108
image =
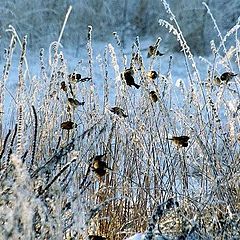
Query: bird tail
pixel 159 54
pixel 136 86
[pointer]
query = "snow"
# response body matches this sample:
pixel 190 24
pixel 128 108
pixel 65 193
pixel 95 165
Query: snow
pixel 137 236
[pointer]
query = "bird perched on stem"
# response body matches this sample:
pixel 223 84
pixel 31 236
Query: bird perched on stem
pixel 119 111
pixel 68 125
pixel 74 102
pixel 152 52
pixel 152 74
pixel 99 166
pixel 77 77
pixel 63 86
pixel 129 78
pixel 181 141
pixel 153 96
pixel 227 76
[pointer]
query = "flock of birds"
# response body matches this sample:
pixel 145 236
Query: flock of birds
pixel 99 166
pixel 98 163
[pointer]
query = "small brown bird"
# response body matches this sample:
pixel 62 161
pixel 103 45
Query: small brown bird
pixel 99 166
pixel 227 76
pixel 152 52
pixel 68 125
pixel 217 81
pixel 76 77
pixel 74 102
pixel 129 78
pixel 96 237
pixel 153 96
pixel 152 74
pixel 119 111
pixel 181 141
pixel 63 86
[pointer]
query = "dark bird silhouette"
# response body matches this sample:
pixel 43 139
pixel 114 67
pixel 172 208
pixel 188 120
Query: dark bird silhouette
pixel 129 78
pixel 76 77
pixel 152 74
pixel 96 237
pixel 227 76
pixel 152 52
pixel 181 141
pixel 119 111
pixel 99 166
pixel 74 102
pixel 63 86
pixel 153 96
pixel 68 125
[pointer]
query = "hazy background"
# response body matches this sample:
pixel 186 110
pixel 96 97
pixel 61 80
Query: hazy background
pixel 42 20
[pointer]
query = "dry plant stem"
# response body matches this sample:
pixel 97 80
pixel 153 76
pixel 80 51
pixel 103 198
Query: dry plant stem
pixel 64 24
pixel 146 167
pixel 6 70
pixel 63 169
pixel 34 136
pixel 3 149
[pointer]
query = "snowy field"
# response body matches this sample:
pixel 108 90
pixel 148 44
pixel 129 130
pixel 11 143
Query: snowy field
pixel 120 152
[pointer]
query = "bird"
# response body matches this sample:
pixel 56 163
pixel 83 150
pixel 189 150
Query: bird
pixel 171 203
pixel 119 111
pixel 181 141
pixel 152 74
pixel 74 77
pixel 153 96
pixel 216 81
pixel 63 86
pixel 129 78
pixel 152 52
pixel 227 76
pixel 74 102
pixel 68 125
pixel 96 237
pixel 77 77
pixel 99 166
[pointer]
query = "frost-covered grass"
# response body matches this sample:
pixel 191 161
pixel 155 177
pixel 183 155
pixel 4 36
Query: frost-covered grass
pixel 48 188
